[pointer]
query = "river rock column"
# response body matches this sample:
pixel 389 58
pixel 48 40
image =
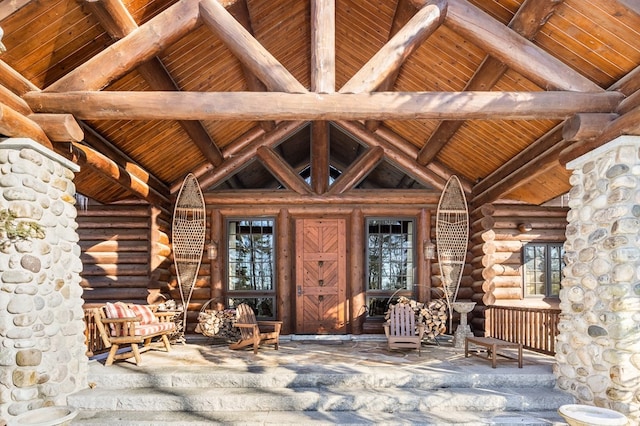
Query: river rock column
pixel 42 349
pixel 598 350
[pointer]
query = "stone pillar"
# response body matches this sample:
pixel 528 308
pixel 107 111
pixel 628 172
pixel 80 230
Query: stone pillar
pixel 42 348
pixel 598 350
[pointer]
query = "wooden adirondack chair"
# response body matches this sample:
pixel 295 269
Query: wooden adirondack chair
pixel 254 332
pixel 401 329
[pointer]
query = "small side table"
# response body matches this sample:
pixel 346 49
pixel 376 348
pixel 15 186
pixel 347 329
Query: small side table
pixel 492 346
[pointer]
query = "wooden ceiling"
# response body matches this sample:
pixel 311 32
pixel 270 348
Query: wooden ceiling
pixel 248 94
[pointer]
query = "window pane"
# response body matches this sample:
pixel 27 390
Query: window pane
pixel 251 264
pixel 542 265
pixel 390 260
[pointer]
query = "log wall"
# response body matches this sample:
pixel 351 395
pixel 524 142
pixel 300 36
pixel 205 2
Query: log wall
pixel 125 252
pixel 496 251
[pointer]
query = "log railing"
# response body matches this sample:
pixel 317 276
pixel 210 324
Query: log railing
pixel 535 328
pixel 94 343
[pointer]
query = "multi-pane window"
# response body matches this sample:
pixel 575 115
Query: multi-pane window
pixel 250 271
pixel 390 262
pixel 542 264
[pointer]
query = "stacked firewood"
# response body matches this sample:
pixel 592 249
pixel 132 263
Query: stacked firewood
pixel 433 315
pixel 212 323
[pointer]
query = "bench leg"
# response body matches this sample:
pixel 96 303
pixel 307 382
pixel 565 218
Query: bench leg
pixel 112 354
pixel 494 353
pixel 136 353
pixel 166 342
pixel 520 356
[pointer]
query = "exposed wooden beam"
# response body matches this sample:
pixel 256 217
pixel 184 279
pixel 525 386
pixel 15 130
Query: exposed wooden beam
pixel 59 127
pixel 247 49
pixel 16 125
pixel 240 11
pixel 393 154
pixel 408 197
pixel 531 16
pixel 248 153
pixel 586 126
pixel 132 50
pixel 404 11
pixel 115 105
pixel 99 143
pixel 357 171
pixel 14 81
pixel 323 46
pixel 388 60
pixel 320 156
pixel 282 171
pixel 9 7
pixel 628 84
pixel 14 101
pixel 116 19
pixel 506 45
pixel 103 165
pixel 627 124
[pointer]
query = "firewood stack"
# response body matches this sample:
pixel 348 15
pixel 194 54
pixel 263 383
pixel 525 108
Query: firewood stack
pixel 212 323
pixel 433 315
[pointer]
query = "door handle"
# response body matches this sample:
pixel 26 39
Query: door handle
pixel 321 283
pixel 299 290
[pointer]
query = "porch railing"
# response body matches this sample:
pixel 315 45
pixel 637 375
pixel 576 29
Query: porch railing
pixel 535 328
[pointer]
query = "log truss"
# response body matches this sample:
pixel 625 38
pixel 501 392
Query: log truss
pixel 57 116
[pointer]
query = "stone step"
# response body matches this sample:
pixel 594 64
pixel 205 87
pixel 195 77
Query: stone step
pixel 281 377
pixel 319 399
pixel 319 418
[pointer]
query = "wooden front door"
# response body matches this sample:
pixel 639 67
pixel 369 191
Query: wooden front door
pixel 321 299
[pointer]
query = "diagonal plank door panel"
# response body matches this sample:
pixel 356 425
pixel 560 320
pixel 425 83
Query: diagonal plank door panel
pixel 320 276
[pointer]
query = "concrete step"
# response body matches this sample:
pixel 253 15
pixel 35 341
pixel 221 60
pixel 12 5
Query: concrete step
pixel 318 399
pixel 318 418
pixel 330 377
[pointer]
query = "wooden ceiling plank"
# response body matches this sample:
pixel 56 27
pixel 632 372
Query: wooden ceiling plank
pixel 531 16
pixel 116 19
pixel 517 52
pixel 323 46
pixel 59 127
pixel 16 125
pixel 248 152
pixel 111 105
pixel 134 49
pixel 320 146
pixel 282 171
pixel 247 49
pixel 390 57
pixel 357 171
pixel 99 143
pixel 395 155
pixel 109 169
pixel 481 190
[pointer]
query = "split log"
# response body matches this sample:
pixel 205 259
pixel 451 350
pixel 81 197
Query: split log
pixel 500 269
pixel 506 281
pixel 510 293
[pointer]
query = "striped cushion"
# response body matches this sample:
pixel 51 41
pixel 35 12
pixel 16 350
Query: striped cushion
pixel 118 310
pixel 144 312
pixel 149 329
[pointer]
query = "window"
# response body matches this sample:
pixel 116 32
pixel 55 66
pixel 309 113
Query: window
pixel 390 262
pixel 250 271
pixel 543 265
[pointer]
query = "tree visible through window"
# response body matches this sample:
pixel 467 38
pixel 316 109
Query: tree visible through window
pixel 543 265
pixel 250 270
pixel 390 265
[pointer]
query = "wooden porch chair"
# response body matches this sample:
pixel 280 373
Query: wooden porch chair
pixel 401 329
pixel 253 332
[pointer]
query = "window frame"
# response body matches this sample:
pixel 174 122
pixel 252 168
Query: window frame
pixel 411 259
pixel 548 270
pixel 254 297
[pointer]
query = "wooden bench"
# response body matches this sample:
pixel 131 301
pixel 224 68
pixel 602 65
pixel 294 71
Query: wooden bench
pixel 120 324
pixel 492 345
